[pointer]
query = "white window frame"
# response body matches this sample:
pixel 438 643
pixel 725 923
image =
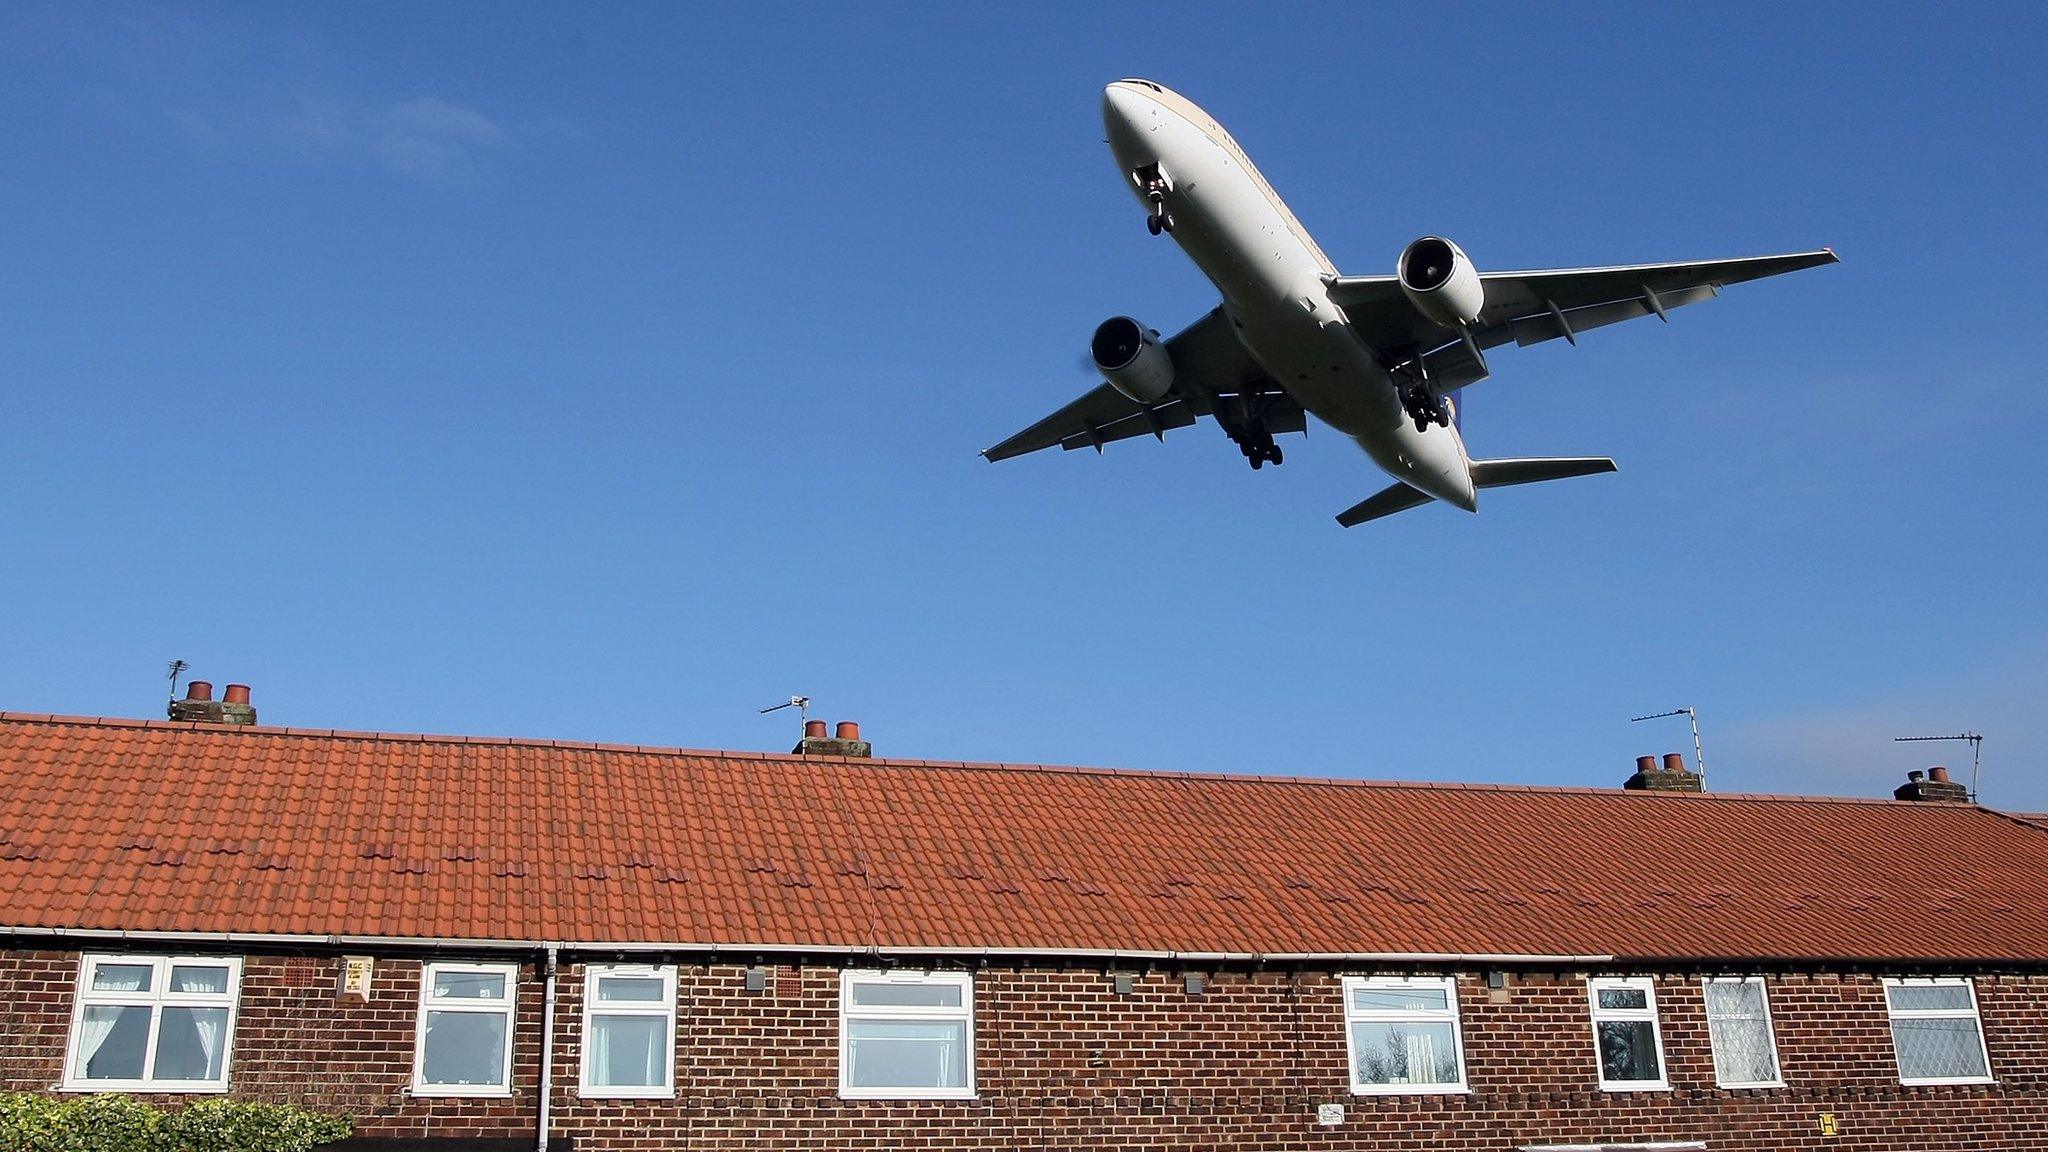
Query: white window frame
pixel 1449 986
pixel 1600 1015
pixel 156 1000
pixel 1975 1015
pixel 1770 1031
pixel 849 1011
pixel 665 1012
pixel 508 1007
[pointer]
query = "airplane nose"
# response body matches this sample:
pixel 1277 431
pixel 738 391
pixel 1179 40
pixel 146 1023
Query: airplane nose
pixel 1121 109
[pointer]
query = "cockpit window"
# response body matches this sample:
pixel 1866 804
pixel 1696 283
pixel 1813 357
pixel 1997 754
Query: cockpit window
pixel 1141 83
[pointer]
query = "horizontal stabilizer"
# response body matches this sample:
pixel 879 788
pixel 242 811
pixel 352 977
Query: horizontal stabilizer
pixel 1386 502
pixel 1533 469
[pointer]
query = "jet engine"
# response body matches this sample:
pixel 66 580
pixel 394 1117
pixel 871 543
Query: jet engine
pixel 1441 282
pixel 1130 356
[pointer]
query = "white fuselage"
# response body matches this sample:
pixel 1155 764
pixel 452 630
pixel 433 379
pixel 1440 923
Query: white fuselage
pixel 1272 277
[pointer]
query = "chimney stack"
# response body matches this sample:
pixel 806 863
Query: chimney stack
pixel 1670 776
pixel 200 707
pixel 1933 784
pixel 845 741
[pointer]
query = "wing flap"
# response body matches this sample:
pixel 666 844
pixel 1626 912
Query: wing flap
pixel 1569 322
pixel 1156 421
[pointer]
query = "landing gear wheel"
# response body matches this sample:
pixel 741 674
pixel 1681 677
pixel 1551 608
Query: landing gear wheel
pixel 1166 221
pixel 1258 461
pixel 1154 224
pixel 1274 455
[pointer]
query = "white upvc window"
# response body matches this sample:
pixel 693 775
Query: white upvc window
pixel 1402 1035
pixel 1626 1039
pixel 1936 1034
pixel 1739 1027
pixel 152 1023
pixel 464 1041
pixel 906 1035
pixel 629 1028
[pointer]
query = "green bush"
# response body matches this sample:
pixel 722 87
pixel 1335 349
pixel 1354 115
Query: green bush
pixel 114 1123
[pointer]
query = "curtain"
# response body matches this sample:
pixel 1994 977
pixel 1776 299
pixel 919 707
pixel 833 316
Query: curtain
pixel 93 1032
pixel 209 1026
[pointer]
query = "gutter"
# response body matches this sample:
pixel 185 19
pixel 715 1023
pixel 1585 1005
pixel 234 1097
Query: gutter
pixel 642 947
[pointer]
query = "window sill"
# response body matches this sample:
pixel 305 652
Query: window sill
pixel 1635 1086
pixel 1760 1084
pixel 167 1088
pixel 626 1093
pixel 1944 1081
pixel 442 1090
pixel 907 1094
pixel 1411 1090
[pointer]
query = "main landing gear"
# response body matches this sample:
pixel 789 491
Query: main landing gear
pixel 1258 447
pixel 1424 406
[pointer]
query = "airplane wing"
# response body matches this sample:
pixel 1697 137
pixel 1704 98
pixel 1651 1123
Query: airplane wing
pixel 1212 376
pixel 1531 307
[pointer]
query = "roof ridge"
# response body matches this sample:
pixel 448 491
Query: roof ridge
pixel 7 717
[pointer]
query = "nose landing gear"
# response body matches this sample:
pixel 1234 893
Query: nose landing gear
pixel 1153 183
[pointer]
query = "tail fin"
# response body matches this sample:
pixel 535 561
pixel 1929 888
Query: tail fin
pixel 1485 474
pixel 1534 469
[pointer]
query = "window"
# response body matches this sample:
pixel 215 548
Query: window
pixel 629 1019
pixel 1625 1033
pixel 465 1030
pixel 1739 1025
pixel 1935 1032
pixel 1402 1033
pixel 906 1035
pixel 153 1023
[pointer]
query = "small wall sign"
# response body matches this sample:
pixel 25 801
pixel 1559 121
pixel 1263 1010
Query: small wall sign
pixel 1329 1115
pixel 355 976
pixel 1828 1125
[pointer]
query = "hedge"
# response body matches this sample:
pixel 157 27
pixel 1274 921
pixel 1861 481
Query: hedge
pixel 114 1123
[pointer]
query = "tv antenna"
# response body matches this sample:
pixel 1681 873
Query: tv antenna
pixel 1976 752
pixel 1699 752
pixel 177 668
pixel 802 704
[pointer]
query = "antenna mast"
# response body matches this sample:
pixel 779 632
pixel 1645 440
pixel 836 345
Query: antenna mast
pixel 1976 752
pixel 802 704
pixel 177 668
pixel 1699 751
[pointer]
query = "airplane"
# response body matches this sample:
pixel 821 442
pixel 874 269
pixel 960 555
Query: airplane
pixel 1378 358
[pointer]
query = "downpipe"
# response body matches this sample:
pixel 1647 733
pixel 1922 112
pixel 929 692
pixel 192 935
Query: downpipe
pixel 547 1043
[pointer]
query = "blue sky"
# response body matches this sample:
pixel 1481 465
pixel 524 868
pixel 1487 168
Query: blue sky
pixel 606 374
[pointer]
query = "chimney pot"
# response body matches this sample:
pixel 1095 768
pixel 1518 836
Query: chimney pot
pixel 236 694
pixel 1916 775
pixel 1938 774
pixel 1646 763
pixel 1674 762
pixel 814 729
pixel 199 690
pixel 848 730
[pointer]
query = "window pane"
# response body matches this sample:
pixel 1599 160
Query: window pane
pixel 1930 997
pixel 628 1051
pixel 191 1044
pixel 1734 998
pixel 906 1054
pixel 1930 1049
pixel 1742 1050
pixel 469 985
pixel 1628 1050
pixel 121 977
pixel 198 978
pixel 907 995
pixel 1404 1053
pixel 629 989
pixel 1624 998
pixel 465 1048
pixel 111 1042
pixel 1400 999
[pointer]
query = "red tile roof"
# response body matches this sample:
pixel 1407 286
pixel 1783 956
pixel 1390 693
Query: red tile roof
pixel 187 828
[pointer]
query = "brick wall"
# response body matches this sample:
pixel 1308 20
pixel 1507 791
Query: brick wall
pixel 1063 1062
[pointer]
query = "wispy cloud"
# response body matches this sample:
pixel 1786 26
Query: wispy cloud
pixel 278 99
pixel 1849 750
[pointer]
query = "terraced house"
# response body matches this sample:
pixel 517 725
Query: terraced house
pixel 493 943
